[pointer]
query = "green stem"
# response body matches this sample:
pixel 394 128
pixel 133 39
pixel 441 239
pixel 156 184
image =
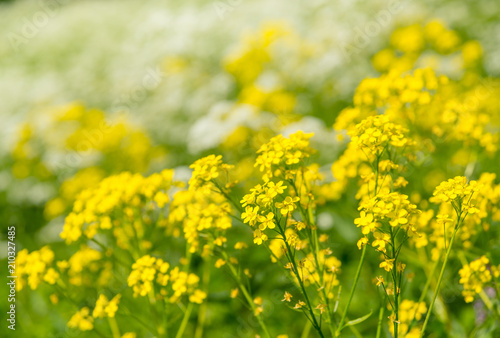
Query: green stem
pixel 160 330
pixel 114 327
pixel 246 295
pixel 396 285
pixel 185 321
pixel 439 280
pixel 424 292
pixel 356 279
pixel 202 314
pixel 380 320
pixel 301 284
pixel 307 329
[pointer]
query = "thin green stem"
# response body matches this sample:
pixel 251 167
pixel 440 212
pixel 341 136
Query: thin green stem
pixel 380 320
pixel 160 329
pixel 424 291
pixel 396 285
pixel 203 307
pixel 114 327
pixel 185 321
pixel 304 292
pixel 356 279
pixel 307 329
pixel 301 284
pixel 440 279
pixel 246 295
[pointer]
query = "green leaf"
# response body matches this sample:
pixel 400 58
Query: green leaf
pixel 358 320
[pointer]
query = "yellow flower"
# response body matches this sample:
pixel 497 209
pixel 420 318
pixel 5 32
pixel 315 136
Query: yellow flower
pixel 266 221
pixel 400 219
pixel 288 205
pixel 240 245
pixel 475 276
pixel 321 308
pixel 197 297
pixel 106 308
pixel 387 264
pixel 220 262
pixel 207 169
pixel 250 215
pixel 258 301
pixel 259 237
pixel 129 335
pixel 288 297
pixel 455 188
pixel 51 276
pixel 281 153
pixel 366 222
pixel 362 242
pixel 82 320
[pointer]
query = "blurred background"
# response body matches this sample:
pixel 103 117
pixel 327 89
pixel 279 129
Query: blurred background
pixel 93 88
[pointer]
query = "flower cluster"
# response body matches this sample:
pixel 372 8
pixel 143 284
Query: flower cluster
pixel 82 320
pixel 476 275
pixel 408 312
pixel 479 201
pixel 385 210
pixel 199 212
pixel 149 271
pixel 206 170
pixel 457 190
pixel 431 43
pixel 105 307
pixel 265 205
pixel 376 133
pixel 121 195
pixel 280 156
pixel 35 267
pixel 323 273
pixel 109 146
pixel 379 149
pixel 85 265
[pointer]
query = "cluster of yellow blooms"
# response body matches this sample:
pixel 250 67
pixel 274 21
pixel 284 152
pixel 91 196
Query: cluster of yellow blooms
pixel 323 276
pixel 82 320
pixel 35 267
pixel 148 272
pixel 392 209
pixel 457 193
pixel 400 97
pixel 200 211
pixel 457 190
pixel 479 200
pixel 376 146
pixel 400 122
pixel 85 264
pixel 376 133
pixel 476 275
pixel 257 54
pixel 105 307
pixel 206 170
pixel 262 205
pixel 115 204
pixel 409 311
pixel 433 108
pixel 281 155
pixel 84 268
pixel 80 133
pixel 425 43
pixel 247 63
